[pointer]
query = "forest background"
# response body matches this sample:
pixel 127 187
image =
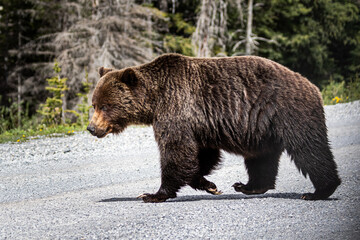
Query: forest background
pixel 319 39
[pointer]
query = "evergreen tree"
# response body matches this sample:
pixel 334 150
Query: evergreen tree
pixel 319 39
pixel 22 21
pixel 53 110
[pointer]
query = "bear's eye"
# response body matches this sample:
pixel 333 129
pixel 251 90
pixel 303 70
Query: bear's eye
pixel 103 108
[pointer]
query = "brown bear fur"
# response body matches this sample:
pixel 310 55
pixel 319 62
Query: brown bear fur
pixel 246 105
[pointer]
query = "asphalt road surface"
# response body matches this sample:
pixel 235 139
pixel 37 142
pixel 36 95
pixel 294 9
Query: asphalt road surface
pixel 80 187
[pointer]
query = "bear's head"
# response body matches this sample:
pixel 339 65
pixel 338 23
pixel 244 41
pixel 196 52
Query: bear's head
pixel 115 102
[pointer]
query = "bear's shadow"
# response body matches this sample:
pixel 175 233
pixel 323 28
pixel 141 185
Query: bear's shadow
pixel 192 198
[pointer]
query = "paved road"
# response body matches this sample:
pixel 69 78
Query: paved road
pixel 79 187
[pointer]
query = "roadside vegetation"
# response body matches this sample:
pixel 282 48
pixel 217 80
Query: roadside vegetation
pixel 341 92
pixel 52 117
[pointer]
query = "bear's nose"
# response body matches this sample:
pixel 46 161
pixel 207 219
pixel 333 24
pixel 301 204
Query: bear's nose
pixel 91 129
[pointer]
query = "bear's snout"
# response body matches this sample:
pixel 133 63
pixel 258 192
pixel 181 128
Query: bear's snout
pixel 91 129
pixel 98 131
pixel 98 126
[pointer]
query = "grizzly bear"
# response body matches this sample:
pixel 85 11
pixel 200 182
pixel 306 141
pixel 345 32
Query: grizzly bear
pixel 244 105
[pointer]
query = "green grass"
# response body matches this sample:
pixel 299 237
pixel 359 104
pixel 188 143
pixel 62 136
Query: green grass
pixel 20 135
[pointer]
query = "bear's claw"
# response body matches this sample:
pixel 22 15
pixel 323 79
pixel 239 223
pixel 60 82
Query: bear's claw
pixel 141 196
pixel 309 196
pixel 214 191
pixel 153 198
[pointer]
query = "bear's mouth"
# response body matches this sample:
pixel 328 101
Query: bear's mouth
pixel 108 130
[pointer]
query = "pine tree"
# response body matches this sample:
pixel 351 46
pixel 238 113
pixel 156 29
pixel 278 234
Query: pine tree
pixel 53 111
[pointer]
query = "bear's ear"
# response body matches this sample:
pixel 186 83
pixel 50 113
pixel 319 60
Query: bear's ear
pixel 129 77
pixel 103 71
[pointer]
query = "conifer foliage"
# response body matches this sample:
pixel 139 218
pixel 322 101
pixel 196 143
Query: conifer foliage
pixel 53 110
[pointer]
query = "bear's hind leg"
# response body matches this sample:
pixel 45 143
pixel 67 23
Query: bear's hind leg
pixel 208 159
pixel 317 161
pixel 262 170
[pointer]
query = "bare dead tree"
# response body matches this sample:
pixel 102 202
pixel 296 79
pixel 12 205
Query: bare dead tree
pixel 119 33
pixel 241 14
pixel 249 44
pixel 250 40
pixel 16 78
pixel 19 86
pixel 210 27
pixel 200 37
pixel 173 6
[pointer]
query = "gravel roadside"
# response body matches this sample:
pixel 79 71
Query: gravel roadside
pixel 82 187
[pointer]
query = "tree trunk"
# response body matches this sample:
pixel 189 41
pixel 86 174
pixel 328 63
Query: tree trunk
pixel 249 44
pixel 63 106
pixel 19 101
pixel 19 85
pixel 202 32
pixel 210 27
pixel 173 6
pixel 241 15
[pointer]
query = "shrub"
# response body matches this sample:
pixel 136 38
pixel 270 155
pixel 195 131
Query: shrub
pixel 9 116
pixel 52 109
pixel 339 92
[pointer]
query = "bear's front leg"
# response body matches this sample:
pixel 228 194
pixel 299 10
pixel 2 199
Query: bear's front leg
pixel 178 167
